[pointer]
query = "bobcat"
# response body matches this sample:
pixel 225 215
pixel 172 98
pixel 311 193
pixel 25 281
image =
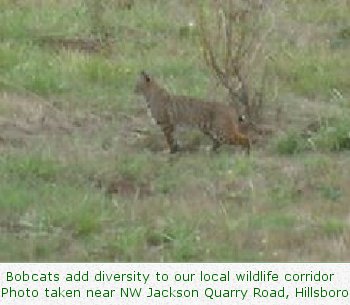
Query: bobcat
pixel 216 120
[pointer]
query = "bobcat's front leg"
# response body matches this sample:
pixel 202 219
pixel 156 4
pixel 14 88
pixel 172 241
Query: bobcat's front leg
pixel 168 131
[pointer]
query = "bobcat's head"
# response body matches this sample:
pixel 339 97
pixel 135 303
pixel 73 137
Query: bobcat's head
pixel 143 83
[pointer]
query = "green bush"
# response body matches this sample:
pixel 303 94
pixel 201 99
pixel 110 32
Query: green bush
pixel 290 143
pixel 333 137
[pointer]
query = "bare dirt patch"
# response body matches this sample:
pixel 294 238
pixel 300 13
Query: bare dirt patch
pixel 28 115
pixel 81 44
pixel 23 118
pixel 128 188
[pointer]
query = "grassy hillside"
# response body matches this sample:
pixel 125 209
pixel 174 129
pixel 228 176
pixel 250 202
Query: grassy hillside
pixel 85 176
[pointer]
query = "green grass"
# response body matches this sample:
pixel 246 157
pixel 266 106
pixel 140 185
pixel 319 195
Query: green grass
pixel 290 143
pixel 331 135
pixel 334 137
pixel 315 73
pixel 104 188
pixel 334 227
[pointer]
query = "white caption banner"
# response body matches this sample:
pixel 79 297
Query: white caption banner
pixel 214 283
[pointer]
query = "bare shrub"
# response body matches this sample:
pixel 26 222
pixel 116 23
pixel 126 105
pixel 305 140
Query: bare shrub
pixel 234 40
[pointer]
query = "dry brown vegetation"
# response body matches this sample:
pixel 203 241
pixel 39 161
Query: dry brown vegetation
pixel 85 176
pixel 234 37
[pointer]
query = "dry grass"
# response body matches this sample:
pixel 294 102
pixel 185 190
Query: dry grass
pixel 85 176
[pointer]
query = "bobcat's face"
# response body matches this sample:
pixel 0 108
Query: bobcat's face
pixel 143 83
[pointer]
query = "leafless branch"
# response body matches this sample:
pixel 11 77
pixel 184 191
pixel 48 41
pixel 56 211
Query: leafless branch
pixel 233 40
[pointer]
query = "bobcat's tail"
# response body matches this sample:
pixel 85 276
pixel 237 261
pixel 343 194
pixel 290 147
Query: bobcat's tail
pixel 243 140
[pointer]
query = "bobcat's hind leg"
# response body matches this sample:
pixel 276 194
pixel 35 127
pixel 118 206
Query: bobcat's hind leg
pixel 168 131
pixel 243 140
pixel 216 145
pixel 214 138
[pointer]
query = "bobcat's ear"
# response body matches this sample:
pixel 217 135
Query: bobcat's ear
pixel 146 76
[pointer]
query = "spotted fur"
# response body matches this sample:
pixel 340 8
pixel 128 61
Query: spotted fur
pixel 216 120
